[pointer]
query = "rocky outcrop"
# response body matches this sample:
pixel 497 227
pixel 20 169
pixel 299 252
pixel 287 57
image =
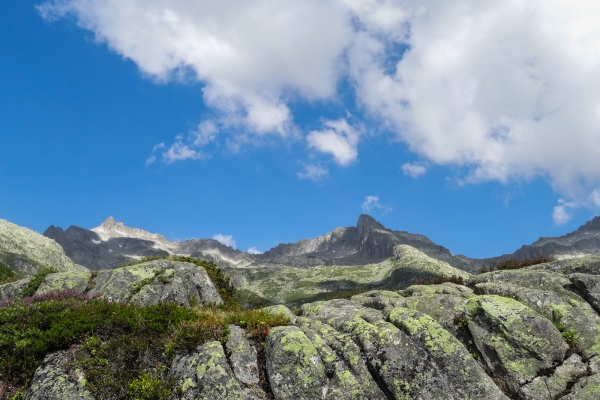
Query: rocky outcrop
pixel 52 381
pixel 26 251
pixel 144 284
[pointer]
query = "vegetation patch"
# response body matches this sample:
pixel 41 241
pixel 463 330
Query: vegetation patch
pixel 7 275
pixel 513 263
pixel 458 280
pixel 36 281
pixel 124 351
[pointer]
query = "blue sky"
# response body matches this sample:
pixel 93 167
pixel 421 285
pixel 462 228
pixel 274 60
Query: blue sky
pixel 365 100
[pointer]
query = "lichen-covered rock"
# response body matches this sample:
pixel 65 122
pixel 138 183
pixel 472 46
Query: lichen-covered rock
pixel 27 251
pixel 411 264
pixel 404 369
pixel 543 388
pixel 575 317
pixel 12 290
pixel 281 310
pixel 464 378
pixel 242 356
pixel 514 340
pixel 156 282
pixel 379 299
pixel 525 277
pixel 589 286
pixel 444 288
pixel 294 366
pixel 205 374
pixel 584 265
pixel 52 381
pixel 76 281
pixel 343 362
pixel 585 389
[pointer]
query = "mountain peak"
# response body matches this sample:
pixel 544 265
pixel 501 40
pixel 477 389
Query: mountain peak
pixel 111 228
pixel 591 225
pixel 366 224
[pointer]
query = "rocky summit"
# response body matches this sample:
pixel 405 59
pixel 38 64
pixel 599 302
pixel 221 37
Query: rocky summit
pixel 360 313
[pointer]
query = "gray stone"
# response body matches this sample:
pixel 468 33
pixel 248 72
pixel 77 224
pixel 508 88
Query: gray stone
pixel 52 381
pixel 543 388
pixel 205 374
pixel 515 341
pixel 11 291
pixel 343 362
pixel 293 364
pixel 585 389
pixel 75 281
pixel 155 282
pixel 242 356
pixel 589 286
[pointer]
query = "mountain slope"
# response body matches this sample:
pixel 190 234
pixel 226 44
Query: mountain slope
pixel 26 251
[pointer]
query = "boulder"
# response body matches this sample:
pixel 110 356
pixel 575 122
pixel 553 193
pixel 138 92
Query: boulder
pixel 52 381
pixel 549 387
pixel 293 364
pixel 156 282
pixel 515 341
pixel 205 374
pixel 589 286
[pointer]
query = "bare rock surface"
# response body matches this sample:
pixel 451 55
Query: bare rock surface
pixel 53 382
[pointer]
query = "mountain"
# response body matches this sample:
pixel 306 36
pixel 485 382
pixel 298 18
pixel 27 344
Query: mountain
pixel 26 251
pixel 584 241
pixel 112 244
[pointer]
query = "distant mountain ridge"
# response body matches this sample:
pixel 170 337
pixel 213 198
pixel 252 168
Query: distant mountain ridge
pixel 113 243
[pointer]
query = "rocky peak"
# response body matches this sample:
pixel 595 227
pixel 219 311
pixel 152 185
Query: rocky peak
pixel 112 228
pixel 365 225
pixel 592 225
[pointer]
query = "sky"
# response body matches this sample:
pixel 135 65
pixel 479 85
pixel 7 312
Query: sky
pixel 263 122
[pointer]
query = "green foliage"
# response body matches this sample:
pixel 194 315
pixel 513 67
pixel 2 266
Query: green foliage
pixel 513 263
pixel 36 281
pixel 569 335
pixel 6 274
pixel 120 348
pixel 221 280
pixel 441 279
pixel 151 385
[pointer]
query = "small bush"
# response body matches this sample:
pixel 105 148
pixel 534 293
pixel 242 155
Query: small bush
pixel 36 281
pixel 441 279
pixel 513 263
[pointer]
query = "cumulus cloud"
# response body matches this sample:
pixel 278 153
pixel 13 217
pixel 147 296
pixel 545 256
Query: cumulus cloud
pixel 180 151
pixel 563 212
pixel 254 250
pixel 372 203
pixel 337 138
pixel 414 170
pixel 506 89
pixel 312 172
pixel 227 240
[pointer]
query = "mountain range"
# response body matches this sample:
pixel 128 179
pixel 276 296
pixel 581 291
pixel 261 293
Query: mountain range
pixel 112 244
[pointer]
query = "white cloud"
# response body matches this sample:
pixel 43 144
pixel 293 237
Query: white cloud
pixel 338 138
pixel 595 197
pixel 312 172
pixel 180 151
pixel 227 240
pixel 506 89
pixel 414 170
pixel 563 212
pixel 254 250
pixel 372 203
